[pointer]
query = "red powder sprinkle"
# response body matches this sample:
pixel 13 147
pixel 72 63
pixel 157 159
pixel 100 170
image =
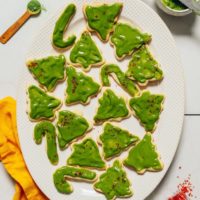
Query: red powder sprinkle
pixel 185 190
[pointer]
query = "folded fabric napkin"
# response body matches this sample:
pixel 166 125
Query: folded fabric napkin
pixel 11 155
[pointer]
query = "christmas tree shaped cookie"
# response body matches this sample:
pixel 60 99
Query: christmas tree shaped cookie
pixel 115 140
pixel 120 77
pixel 48 71
pixel 70 127
pixel 111 107
pixel 143 67
pixel 80 87
pixel 41 105
pixel 102 18
pixel 85 53
pixel 147 109
pixel 114 183
pixel 127 39
pixel 143 157
pixel 86 154
pixel 47 129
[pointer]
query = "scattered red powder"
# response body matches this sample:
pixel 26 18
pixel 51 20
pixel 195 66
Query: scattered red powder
pixel 185 189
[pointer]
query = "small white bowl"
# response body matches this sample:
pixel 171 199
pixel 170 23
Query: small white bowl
pixel 177 13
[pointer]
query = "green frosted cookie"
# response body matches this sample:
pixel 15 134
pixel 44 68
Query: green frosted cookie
pixel 143 157
pixel 101 18
pixel 115 140
pixel 86 154
pixel 111 107
pixel 48 71
pixel 70 127
pixel 61 26
pixel 75 173
pixel 47 129
pixel 60 182
pixel 120 77
pixel 143 67
pixel 85 53
pixel 80 87
pixel 41 105
pixel 114 183
pixel 147 109
pixel 127 39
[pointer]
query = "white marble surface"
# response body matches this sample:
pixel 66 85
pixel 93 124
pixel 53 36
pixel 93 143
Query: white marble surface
pixel 186 31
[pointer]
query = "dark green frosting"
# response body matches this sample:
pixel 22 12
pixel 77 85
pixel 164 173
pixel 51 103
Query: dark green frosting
pixel 115 140
pixel 85 52
pixel 143 156
pixel 48 71
pixel 86 154
pixel 34 6
pixel 143 67
pixel 70 126
pixel 110 107
pixel 174 4
pixel 127 39
pixel 126 83
pixel 80 87
pixel 60 182
pixel 42 106
pixel 61 26
pixel 101 19
pixel 75 173
pixel 147 109
pixel 47 129
pixel 114 183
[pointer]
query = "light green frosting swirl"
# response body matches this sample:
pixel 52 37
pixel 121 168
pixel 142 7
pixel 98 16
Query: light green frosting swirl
pixel 47 129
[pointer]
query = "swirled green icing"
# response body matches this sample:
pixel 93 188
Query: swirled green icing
pixel 80 87
pixel 115 140
pixel 42 106
pixel 126 83
pixel 143 67
pixel 110 107
pixel 144 157
pixel 174 4
pixel 60 182
pixel 114 183
pixel 75 173
pixel 48 71
pixel 47 128
pixel 85 52
pixel 147 109
pixel 86 154
pixel 127 39
pixel 70 126
pixel 102 18
pixel 60 27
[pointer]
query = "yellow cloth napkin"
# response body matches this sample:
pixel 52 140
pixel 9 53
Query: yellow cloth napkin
pixel 11 155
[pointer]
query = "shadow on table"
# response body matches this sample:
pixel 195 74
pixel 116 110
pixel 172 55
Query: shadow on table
pixel 178 25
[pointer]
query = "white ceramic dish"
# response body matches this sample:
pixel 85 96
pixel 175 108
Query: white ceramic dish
pixel 168 131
